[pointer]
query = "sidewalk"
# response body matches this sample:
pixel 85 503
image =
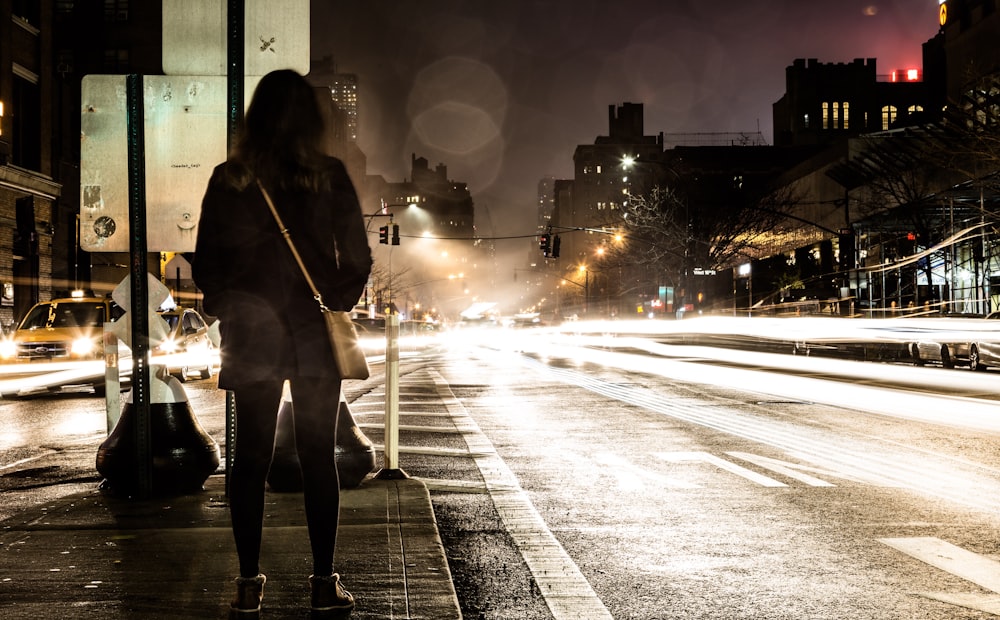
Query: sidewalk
pixel 93 555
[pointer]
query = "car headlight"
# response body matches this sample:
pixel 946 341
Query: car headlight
pixel 82 347
pixel 8 349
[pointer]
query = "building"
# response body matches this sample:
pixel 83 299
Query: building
pixel 30 189
pixel 601 181
pixel 826 102
pixel 344 94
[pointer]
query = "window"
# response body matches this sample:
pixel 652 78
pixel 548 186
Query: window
pixel 915 108
pixel 116 10
pixel 27 10
pixel 26 136
pixel 116 61
pixel 888 116
pixel 835 115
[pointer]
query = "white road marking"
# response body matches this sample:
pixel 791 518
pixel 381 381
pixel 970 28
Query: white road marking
pixel 939 476
pixel 711 459
pixel 567 592
pixel 28 460
pixel 791 470
pixel 978 569
pixel 950 558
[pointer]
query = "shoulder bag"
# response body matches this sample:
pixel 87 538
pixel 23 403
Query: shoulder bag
pixel 347 352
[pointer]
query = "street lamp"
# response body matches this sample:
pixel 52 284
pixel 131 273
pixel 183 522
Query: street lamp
pixel 744 272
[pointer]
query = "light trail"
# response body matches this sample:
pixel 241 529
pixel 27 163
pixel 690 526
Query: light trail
pixel 960 482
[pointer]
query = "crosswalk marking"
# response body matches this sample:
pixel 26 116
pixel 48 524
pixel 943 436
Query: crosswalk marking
pixel 791 470
pixel 950 558
pixel 711 459
pixel 978 569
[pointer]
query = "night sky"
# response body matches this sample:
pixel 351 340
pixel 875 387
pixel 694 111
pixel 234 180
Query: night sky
pixel 502 92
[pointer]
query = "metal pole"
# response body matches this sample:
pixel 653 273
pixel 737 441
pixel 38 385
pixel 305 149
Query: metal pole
pixel 391 470
pixel 139 314
pixel 235 36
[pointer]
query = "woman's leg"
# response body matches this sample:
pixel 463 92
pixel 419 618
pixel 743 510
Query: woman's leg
pixel 256 419
pixel 314 404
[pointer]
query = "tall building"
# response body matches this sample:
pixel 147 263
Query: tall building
pixel 600 180
pixel 29 187
pixel 344 94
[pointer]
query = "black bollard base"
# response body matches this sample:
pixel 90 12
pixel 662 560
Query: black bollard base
pixel 391 474
pixel 183 454
pixel 354 453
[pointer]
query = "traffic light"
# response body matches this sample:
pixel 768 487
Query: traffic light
pixel 544 244
pixel 395 234
pixel 383 235
pixel 556 241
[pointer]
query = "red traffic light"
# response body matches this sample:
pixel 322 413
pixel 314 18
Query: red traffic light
pixel 383 235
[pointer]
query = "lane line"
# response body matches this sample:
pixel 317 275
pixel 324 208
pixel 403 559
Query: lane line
pixel 28 460
pixel 566 591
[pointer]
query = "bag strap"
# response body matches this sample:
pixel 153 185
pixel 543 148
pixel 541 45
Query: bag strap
pixel 288 238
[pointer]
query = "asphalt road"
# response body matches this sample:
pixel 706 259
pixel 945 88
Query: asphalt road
pixel 594 483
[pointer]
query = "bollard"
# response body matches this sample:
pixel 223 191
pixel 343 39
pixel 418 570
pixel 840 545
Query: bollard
pixel 183 454
pixel 354 453
pixel 391 469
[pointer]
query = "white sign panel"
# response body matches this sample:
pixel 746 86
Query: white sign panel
pixel 185 136
pixel 276 36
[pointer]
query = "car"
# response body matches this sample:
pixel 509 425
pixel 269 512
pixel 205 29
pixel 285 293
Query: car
pixel 985 352
pixel 188 348
pixel 964 342
pixel 63 329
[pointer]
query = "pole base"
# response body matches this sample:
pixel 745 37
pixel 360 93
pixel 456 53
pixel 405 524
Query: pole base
pixel 391 474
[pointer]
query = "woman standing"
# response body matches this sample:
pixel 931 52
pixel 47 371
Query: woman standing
pixel 271 326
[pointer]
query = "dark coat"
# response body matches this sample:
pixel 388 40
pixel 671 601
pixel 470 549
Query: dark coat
pixel 271 326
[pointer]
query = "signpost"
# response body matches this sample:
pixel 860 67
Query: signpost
pixel 149 144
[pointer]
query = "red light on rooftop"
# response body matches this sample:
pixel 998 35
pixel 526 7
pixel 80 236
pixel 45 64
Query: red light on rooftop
pixel 905 75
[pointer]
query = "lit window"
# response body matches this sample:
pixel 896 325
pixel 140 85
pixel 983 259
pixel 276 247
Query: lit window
pixel 888 116
pixel 845 108
pixel 826 115
pixel 836 115
pixel 915 108
pixel 598 168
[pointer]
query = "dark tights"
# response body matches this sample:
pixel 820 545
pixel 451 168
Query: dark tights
pixel 315 405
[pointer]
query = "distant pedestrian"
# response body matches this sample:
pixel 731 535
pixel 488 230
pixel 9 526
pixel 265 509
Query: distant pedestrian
pixel 271 326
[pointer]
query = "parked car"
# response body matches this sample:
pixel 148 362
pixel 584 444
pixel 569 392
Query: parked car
pixel 188 348
pixel 63 329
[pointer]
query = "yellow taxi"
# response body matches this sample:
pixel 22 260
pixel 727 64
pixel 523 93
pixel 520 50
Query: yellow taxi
pixel 63 329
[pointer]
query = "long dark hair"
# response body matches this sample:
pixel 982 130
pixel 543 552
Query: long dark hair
pixel 281 139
